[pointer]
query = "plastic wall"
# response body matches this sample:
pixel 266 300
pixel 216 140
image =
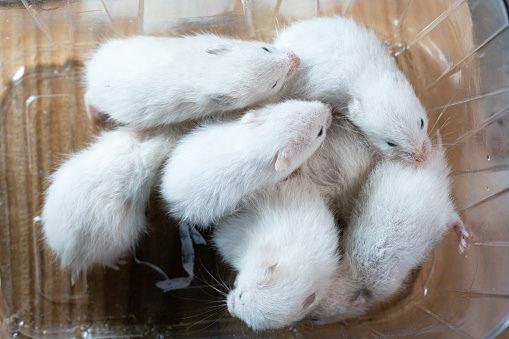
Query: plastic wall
pixel 456 53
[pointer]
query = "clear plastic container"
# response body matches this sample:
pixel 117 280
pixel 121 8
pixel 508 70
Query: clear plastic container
pixel 456 54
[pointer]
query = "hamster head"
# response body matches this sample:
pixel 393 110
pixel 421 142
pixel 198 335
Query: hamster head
pixel 297 128
pixel 391 116
pixel 257 71
pixel 276 291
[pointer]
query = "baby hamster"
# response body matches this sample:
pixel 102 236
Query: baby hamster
pixel 212 168
pixel 151 81
pixel 341 166
pixel 94 211
pixel 346 65
pixel 402 213
pixel 283 243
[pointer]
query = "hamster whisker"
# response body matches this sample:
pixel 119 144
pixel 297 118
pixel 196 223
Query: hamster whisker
pixel 208 310
pixel 220 281
pixel 342 102
pixel 277 26
pixel 202 320
pixel 214 288
pixel 444 125
pixel 442 112
pixel 207 285
pixel 219 291
pixel 200 300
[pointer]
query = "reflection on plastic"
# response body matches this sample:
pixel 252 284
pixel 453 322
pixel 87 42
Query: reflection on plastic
pixel 188 236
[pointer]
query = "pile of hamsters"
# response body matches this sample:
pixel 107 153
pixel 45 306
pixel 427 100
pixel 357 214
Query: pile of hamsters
pixel 323 201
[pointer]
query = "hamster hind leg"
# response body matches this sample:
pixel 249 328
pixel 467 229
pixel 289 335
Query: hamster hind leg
pixel 458 227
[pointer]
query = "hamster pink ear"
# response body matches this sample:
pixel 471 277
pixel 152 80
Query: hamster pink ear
pixel 354 106
pixel 361 298
pixel 268 274
pixel 219 49
pixel 223 99
pixel 253 118
pixel 308 301
pixel 284 158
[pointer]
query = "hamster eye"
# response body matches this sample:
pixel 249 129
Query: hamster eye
pixel 265 49
pixel 391 144
pixel 320 133
pixel 274 85
pixel 422 123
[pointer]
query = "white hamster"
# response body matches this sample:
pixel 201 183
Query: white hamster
pixel 341 166
pixel 402 213
pixel 212 168
pixel 148 81
pixel 283 242
pixel 346 65
pixel 94 211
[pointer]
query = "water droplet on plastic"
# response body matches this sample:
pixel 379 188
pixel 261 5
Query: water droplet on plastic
pixel 395 22
pixel 488 157
pixel 425 291
pixel 488 188
pixel 398 48
pixel 19 73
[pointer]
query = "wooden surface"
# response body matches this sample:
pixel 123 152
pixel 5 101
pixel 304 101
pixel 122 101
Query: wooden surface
pixel 42 51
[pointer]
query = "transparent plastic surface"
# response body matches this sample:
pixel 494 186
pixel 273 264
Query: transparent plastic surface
pixel 456 54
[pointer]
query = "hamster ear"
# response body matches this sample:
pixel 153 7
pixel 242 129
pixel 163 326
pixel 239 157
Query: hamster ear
pixel 284 158
pixel 354 106
pixel 361 297
pixel 267 275
pixel 223 99
pixel 219 49
pixel 252 117
pixel 308 301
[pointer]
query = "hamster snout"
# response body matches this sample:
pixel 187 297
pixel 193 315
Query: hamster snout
pixel 422 154
pixel 294 63
pixel 328 122
pixel 230 303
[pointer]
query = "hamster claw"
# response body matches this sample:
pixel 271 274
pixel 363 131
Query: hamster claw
pixel 74 277
pixel 462 234
pixel 114 264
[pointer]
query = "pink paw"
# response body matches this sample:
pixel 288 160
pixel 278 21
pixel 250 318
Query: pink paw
pixel 462 234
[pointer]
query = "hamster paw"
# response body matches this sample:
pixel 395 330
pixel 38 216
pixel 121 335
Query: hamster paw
pixel 114 264
pixel 462 234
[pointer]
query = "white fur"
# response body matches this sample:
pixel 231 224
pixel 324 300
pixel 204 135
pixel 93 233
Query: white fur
pixel 283 243
pixel 151 81
pixel 341 166
pixel 402 213
pixel 215 166
pixel 347 66
pixel 94 211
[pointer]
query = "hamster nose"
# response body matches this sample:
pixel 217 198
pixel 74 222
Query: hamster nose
pixel 294 63
pixel 426 145
pixel 295 60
